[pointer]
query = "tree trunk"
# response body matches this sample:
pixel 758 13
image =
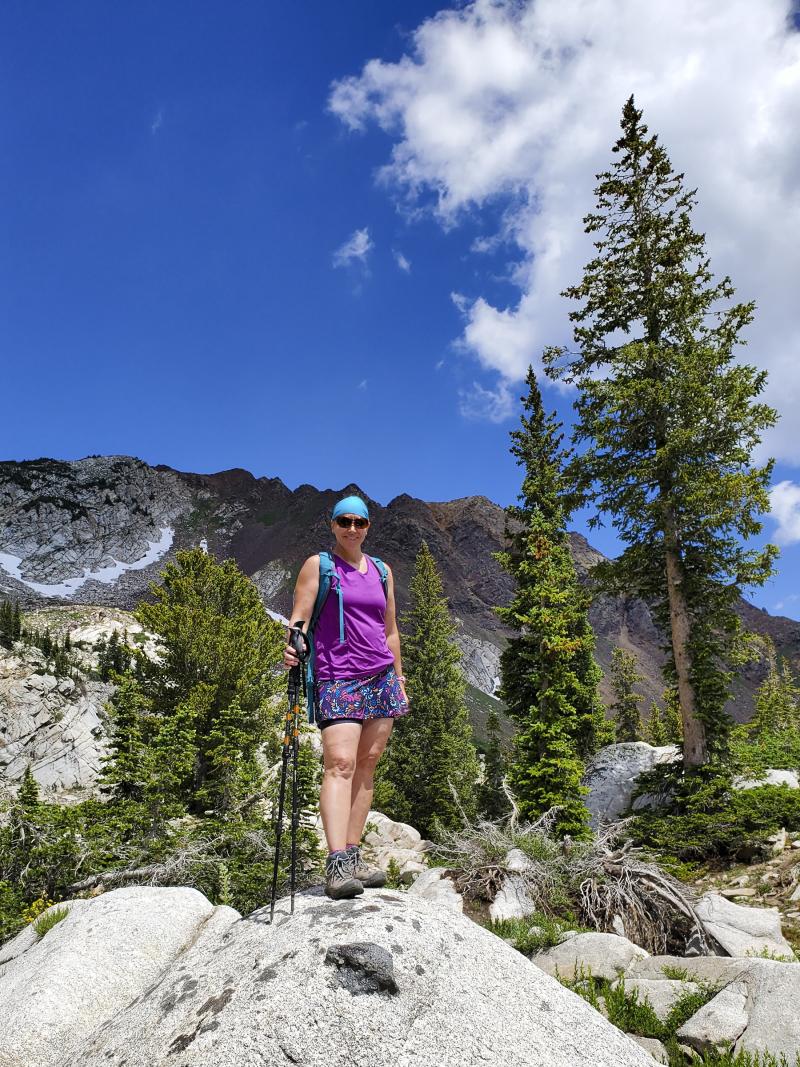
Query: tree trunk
pixel 695 749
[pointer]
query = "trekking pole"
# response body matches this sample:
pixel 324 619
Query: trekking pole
pixel 300 645
pixel 295 804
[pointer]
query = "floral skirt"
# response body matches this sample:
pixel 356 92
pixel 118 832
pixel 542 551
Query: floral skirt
pixel 380 696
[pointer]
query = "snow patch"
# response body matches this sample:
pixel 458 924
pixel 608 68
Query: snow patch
pixel 106 575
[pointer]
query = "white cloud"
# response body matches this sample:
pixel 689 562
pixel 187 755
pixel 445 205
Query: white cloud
pixel 785 508
pixel 402 262
pixel 493 404
pixel 363 385
pixel 355 247
pixel 521 99
pixel 158 121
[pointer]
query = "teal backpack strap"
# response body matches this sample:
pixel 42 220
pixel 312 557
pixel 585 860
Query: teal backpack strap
pixel 325 577
pixel 383 571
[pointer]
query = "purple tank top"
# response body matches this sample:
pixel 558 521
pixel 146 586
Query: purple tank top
pixel 364 650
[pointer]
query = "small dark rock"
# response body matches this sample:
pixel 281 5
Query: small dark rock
pixel 362 967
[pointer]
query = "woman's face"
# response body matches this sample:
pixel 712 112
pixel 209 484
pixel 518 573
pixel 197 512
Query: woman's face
pixel 349 537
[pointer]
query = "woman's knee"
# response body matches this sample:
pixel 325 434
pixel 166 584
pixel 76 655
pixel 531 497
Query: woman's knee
pixel 340 765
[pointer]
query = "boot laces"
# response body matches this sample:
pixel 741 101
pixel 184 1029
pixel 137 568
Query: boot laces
pixel 338 867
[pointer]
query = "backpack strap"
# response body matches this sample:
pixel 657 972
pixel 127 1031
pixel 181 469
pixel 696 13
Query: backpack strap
pixel 326 576
pixel 383 571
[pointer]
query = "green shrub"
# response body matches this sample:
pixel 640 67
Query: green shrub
pixel 12 905
pixel 536 931
pixel 393 876
pixel 702 814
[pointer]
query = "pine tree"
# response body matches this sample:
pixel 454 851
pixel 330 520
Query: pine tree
pixel 492 799
pixel 626 714
pixel 654 727
pixel 777 699
pixel 549 676
pixel 430 748
pixel 6 624
pixel 218 650
pixel 17 633
pixel 669 421
pixel 28 795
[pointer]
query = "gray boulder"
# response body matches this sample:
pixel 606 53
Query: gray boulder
pixel 771 777
pixel 512 901
pixel 742 931
pixel 719 1022
pixel 57 990
pixel 605 955
pixel 653 1046
pixel 386 979
pixel 611 777
pixel 433 887
pixel 660 994
pixel 773 1001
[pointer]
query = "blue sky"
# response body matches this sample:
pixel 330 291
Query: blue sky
pixel 177 180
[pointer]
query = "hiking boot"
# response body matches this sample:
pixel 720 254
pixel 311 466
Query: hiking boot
pixel 370 877
pixel 340 884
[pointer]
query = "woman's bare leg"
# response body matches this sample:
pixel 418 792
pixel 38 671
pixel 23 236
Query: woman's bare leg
pixel 340 746
pixel 374 735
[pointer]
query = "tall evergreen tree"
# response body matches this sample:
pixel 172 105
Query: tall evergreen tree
pixel 625 709
pixel 669 422
pixel 549 676
pixel 492 799
pixel 430 749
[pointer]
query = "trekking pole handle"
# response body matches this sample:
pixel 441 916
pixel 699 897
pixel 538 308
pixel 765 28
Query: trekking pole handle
pixel 300 644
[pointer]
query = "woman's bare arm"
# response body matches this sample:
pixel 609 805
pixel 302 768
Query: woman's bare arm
pixel 392 633
pixel 305 597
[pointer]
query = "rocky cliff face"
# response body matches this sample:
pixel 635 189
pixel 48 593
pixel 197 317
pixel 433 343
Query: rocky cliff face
pixel 98 530
pixel 57 725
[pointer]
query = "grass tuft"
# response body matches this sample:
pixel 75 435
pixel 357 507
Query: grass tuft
pixel 49 919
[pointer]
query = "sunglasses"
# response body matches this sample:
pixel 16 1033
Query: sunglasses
pixel 346 523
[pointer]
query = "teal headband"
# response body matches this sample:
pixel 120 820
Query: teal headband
pixel 351 505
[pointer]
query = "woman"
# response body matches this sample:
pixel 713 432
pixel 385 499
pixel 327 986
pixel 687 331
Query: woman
pixel 359 692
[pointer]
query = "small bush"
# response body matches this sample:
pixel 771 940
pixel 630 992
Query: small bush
pixel 393 876
pixel 536 931
pixel 12 907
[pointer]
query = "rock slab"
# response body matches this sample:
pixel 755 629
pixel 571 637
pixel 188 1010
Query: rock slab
pixel 653 1046
pixel 387 979
pixel 719 1022
pixel 605 955
pixel 743 931
pixel 57 990
pixel 773 1002
pixel 612 773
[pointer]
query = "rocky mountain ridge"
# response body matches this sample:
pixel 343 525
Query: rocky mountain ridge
pixel 96 531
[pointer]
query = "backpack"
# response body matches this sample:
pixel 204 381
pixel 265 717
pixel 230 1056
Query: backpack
pixel 328 578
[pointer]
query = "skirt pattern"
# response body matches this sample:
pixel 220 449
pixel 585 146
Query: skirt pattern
pixel 379 696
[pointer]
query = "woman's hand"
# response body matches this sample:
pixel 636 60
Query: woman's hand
pixel 289 658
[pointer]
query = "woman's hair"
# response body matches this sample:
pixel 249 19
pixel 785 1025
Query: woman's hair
pixel 351 505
